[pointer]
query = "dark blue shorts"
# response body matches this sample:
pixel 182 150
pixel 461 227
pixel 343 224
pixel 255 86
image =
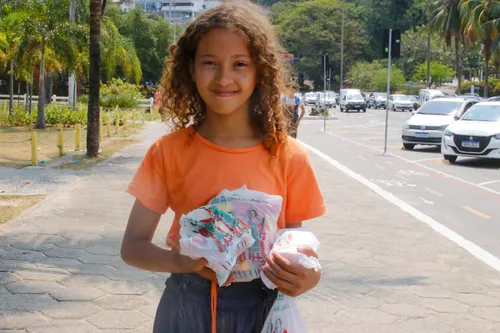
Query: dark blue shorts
pixel 185 306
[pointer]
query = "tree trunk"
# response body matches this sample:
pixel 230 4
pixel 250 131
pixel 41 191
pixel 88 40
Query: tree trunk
pixel 27 96
pixel 31 90
pixel 457 63
pixel 93 113
pixel 40 121
pixel 11 87
pixel 487 56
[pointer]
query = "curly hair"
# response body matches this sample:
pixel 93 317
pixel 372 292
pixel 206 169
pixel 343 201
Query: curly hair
pixel 181 102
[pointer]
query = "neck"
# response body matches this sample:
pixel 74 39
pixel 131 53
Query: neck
pixel 234 125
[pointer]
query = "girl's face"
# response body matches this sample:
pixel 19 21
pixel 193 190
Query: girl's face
pixel 224 72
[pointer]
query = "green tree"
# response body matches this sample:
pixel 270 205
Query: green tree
pixel 380 79
pixel 311 29
pixel 445 18
pixel 362 74
pixel 480 18
pixel 439 72
pixel 50 28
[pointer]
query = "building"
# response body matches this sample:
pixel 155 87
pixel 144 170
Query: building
pixel 177 11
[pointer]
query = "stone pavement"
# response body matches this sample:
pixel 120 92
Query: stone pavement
pixel 383 271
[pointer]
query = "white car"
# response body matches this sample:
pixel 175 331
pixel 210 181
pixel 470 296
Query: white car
pixel 428 124
pixel 400 102
pixel 475 134
pixel 310 98
pixel 329 99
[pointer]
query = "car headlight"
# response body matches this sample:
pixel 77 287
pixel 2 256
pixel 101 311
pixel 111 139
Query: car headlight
pixel 497 136
pixel 442 128
pixel 448 133
pixel 406 126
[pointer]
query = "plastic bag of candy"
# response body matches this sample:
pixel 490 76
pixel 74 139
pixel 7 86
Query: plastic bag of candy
pixel 234 231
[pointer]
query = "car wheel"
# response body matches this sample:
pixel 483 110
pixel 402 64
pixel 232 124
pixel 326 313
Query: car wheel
pixel 450 158
pixel 408 146
pixel 364 110
pixel 359 110
pixel 341 110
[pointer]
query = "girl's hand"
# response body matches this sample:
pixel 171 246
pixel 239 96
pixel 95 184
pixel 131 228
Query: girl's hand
pixel 291 279
pixel 197 266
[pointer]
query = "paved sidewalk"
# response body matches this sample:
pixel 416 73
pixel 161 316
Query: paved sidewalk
pixel 383 271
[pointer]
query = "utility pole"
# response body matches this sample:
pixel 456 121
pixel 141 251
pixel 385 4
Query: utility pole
pixel 342 47
pixel 72 78
pixel 388 91
pixel 429 57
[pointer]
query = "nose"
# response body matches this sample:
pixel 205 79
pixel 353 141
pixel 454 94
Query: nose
pixel 224 75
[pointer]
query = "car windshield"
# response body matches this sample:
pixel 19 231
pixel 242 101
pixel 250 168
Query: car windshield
pixel 401 98
pixel 354 96
pixel 483 113
pixel 442 108
pixel 311 95
pixel 381 96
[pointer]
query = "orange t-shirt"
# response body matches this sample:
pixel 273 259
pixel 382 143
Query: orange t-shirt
pixel 183 172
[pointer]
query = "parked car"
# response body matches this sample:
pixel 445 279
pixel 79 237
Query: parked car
pixel 427 125
pixel 327 99
pixel 400 102
pixel 426 95
pixel 310 98
pixel 351 99
pixel 494 99
pixel 475 134
pixel 377 100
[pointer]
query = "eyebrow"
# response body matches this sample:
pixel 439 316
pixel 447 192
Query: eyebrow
pixel 242 55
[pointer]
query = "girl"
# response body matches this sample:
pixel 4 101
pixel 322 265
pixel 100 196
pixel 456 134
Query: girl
pixel 221 90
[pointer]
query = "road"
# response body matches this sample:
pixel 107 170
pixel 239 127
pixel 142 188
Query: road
pixel 464 197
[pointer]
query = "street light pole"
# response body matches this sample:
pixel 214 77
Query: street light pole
pixel 342 48
pixel 72 78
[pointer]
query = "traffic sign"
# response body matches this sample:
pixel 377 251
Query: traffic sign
pixel 411 84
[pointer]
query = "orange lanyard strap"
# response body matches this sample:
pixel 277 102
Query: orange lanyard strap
pixel 213 299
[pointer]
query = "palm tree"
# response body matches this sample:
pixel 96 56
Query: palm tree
pixel 445 18
pixel 479 17
pixel 94 79
pixel 49 27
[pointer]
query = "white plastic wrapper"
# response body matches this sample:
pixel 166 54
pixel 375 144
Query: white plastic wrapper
pixel 260 211
pixel 284 317
pixel 286 244
pixel 234 231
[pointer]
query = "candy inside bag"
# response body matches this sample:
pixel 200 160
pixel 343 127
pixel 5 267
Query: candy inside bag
pixel 260 211
pixel 217 236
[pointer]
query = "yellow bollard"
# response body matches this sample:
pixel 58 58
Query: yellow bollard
pixel 60 139
pixel 34 148
pixel 108 124
pixel 77 136
pixel 117 122
pixel 133 119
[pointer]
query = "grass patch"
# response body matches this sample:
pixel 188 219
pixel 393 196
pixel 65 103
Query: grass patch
pixel 15 145
pixel 12 205
pixel 109 148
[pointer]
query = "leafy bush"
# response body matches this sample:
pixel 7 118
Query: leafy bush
pixel 116 92
pixel 19 117
pixel 54 114
pixel 493 87
pixel 60 114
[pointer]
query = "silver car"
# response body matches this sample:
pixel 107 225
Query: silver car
pixel 328 100
pixel 400 102
pixel 310 98
pixel 427 125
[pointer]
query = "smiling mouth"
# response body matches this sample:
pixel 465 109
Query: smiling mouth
pixel 225 93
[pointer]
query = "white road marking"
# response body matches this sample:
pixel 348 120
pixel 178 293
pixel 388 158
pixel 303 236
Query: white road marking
pixel 426 159
pixel 467 245
pixel 421 165
pixel 412 173
pixel 427 201
pixel 487 183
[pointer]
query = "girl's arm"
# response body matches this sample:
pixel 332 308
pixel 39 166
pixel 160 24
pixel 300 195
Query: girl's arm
pixel 139 251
